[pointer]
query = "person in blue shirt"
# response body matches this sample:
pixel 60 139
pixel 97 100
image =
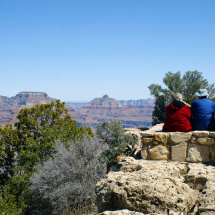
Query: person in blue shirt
pixel 203 111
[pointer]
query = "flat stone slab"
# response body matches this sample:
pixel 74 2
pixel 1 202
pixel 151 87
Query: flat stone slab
pixel 198 153
pixel 178 137
pixel 201 133
pixel 179 152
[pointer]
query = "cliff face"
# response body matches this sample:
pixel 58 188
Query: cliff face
pixel 104 101
pixel 158 187
pixel 4 101
pixel 137 102
pixel 106 108
pixel 90 114
pixel 29 99
pixel 10 107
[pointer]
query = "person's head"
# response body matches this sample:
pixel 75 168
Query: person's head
pixel 178 97
pixel 202 93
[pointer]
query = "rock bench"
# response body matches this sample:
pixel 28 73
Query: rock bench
pixel 194 146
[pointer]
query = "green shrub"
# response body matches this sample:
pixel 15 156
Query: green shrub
pixel 32 141
pixel 112 134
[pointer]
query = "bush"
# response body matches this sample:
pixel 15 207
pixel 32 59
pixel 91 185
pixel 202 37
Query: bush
pixel 8 203
pixel 111 133
pixel 30 142
pixel 69 178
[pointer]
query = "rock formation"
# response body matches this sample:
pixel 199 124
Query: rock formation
pixel 10 107
pixel 90 114
pixel 106 108
pixel 104 101
pixel 163 185
pixel 29 99
pixel 158 187
pixel 137 102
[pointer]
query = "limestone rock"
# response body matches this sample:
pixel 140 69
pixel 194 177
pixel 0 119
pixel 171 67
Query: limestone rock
pixel 159 152
pixel 157 128
pixel 212 150
pixel 179 152
pixel 178 137
pixel 202 140
pixel 155 142
pixel 144 153
pixel 212 134
pixel 198 153
pixel 152 187
pixel 202 177
pixel 147 134
pixel 205 141
pixel 161 137
pixel 193 139
pixel 121 212
pixel 201 133
pixel 147 140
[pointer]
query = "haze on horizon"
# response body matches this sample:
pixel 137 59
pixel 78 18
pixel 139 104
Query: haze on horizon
pixel 80 50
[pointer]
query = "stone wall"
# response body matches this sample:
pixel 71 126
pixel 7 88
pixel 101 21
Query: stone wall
pixel 195 146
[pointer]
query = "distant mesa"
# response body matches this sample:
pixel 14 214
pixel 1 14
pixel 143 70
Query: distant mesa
pixel 133 113
pixel 137 102
pixel 30 99
pixel 10 107
pixel 32 95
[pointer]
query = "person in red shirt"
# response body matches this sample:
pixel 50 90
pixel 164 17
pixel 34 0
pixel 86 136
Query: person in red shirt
pixel 178 115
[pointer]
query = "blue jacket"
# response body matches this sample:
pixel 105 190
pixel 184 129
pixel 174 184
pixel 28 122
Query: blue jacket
pixel 203 114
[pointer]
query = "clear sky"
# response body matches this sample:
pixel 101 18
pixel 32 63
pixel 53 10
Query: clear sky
pixel 77 50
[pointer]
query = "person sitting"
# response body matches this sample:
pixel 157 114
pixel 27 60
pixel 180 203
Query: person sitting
pixel 203 112
pixel 178 115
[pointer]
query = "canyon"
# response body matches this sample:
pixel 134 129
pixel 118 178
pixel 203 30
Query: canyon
pixel 132 113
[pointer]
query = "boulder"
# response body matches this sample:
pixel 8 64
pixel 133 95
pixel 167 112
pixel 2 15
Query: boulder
pixel 159 152
pixel 160 187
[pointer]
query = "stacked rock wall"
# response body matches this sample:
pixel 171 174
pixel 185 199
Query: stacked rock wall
pixel 195 146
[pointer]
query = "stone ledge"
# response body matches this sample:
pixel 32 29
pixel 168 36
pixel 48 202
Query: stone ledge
pixel 194 146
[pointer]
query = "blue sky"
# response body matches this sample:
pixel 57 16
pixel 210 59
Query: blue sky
pixel 77 50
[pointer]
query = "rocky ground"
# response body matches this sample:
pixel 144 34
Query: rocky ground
pixel 157 187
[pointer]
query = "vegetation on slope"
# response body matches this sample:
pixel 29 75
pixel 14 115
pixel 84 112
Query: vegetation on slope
pixel 48 164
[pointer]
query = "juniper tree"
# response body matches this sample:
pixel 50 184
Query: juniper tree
pixel 112 134
pixel 30 142
pixel 187 85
